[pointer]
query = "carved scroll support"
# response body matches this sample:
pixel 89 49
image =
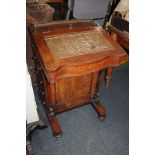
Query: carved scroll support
pixel 30 128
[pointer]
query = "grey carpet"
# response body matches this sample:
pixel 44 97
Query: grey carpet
pixel 84 133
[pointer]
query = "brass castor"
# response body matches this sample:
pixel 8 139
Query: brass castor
pixel 58 136
pixel 102 118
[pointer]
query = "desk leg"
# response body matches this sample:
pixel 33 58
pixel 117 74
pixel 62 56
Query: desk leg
pixel 56 128
pixel 53 121
pixel 108 75
pixel 99 109
pixel 96 100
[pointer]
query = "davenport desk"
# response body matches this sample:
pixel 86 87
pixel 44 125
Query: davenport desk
pixel 70 57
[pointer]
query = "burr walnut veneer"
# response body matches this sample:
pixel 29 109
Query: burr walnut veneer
pixel 70 58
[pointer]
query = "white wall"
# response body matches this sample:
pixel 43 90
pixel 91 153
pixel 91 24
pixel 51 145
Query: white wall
pixel 31 107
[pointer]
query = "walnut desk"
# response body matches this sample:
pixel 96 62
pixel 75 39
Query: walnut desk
pixel 70 57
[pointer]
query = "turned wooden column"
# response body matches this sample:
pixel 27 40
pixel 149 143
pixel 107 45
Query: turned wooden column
pixel 108 75
pixel 96 100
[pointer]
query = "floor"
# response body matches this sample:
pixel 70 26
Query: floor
pixel 83 132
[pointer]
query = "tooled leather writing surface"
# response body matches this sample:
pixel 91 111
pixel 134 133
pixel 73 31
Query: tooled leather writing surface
pixel 74 44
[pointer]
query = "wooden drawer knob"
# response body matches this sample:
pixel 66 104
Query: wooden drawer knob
pixel 41 93
pixel 34 58
pixel 39 68
pixel 36 72
pixel 40 82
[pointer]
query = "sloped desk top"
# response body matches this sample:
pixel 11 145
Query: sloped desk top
pixel 74 47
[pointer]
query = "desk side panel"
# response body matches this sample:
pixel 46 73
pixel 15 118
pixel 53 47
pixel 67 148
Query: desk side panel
pixel 72 92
